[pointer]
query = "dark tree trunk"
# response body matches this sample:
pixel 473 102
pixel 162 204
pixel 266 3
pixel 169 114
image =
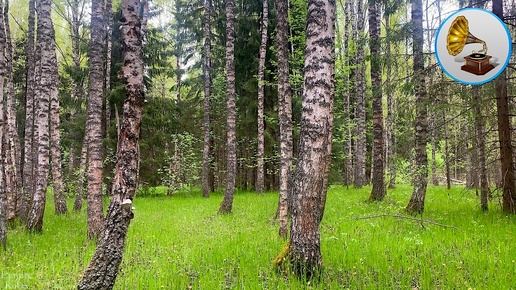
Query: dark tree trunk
pixel 390 162
pixel 107 75
pixel 211 175
pixel 480 147
pixel 348 123
pixel 74 18
pixel 227 203
pixel 285 113
pixel 94 122
pixel 104 266
pixel 107 84
pixel 446 152
pixel 504 132
pixel 206 163
pixel 179 74
pixel 261 96
pixel 77 206
pixel 472 180
pixel 360 97
pixel 75 24
pixel 506 155
pixel 47 87
pixel 417 201
pixel 55 134
pixel 29 180
pixel 378 190
pixel 435 180
pixel 310 179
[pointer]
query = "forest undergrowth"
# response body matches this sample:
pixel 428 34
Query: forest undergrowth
pixel 180 242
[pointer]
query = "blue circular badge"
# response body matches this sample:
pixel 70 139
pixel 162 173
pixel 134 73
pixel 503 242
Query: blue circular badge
pixel 473 46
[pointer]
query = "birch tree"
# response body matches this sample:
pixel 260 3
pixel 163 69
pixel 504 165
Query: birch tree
pixel 378 190
pixel 29 134
pixel 417 201
pixel 104 265
pixel 94 121
pixel 11 146
pixel 47 89
pixel 390 163
pixel 227 203
pixel 55 134
pixel 285 113
pixel 206 164
pixel 360 98
pixel 310 179
pixel 261 93
pixel 3 193
pixel 348 8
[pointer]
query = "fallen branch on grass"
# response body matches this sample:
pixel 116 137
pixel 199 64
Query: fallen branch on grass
pixel 408 218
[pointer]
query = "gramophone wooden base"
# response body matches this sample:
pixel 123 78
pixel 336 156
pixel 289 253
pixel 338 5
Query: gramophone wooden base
pixel 476 71
pixel 479 66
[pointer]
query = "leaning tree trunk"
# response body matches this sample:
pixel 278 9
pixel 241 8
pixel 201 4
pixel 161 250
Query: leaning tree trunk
pixel 261 93
pixel 360 97
pixel 227 203
pixel 104 266
pixel 378 190
pixel 285 113
pixel 417 201
pixel 28 180
pixel 94 122
pixel 504 133
pixel 47 87
pixel 310 179
pixel 206 164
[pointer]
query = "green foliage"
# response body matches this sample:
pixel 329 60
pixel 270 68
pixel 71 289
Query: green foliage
pixel 182 162
pixel 159 124
pixel 298 11
pixel 181 243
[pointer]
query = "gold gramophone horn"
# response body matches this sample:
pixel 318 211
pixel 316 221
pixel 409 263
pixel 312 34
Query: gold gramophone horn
pixel 459 35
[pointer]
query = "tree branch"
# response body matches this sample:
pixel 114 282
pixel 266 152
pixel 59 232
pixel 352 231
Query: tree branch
pixel 408 218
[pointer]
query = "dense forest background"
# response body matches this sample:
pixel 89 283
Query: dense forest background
pixel 460 117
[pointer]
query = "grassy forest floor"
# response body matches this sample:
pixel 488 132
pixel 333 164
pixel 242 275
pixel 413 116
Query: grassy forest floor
pixel 180 242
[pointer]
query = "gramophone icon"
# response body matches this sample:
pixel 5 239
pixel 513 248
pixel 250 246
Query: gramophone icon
pixel 478 62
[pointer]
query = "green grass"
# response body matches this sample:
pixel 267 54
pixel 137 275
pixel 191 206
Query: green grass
pixel 180 242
